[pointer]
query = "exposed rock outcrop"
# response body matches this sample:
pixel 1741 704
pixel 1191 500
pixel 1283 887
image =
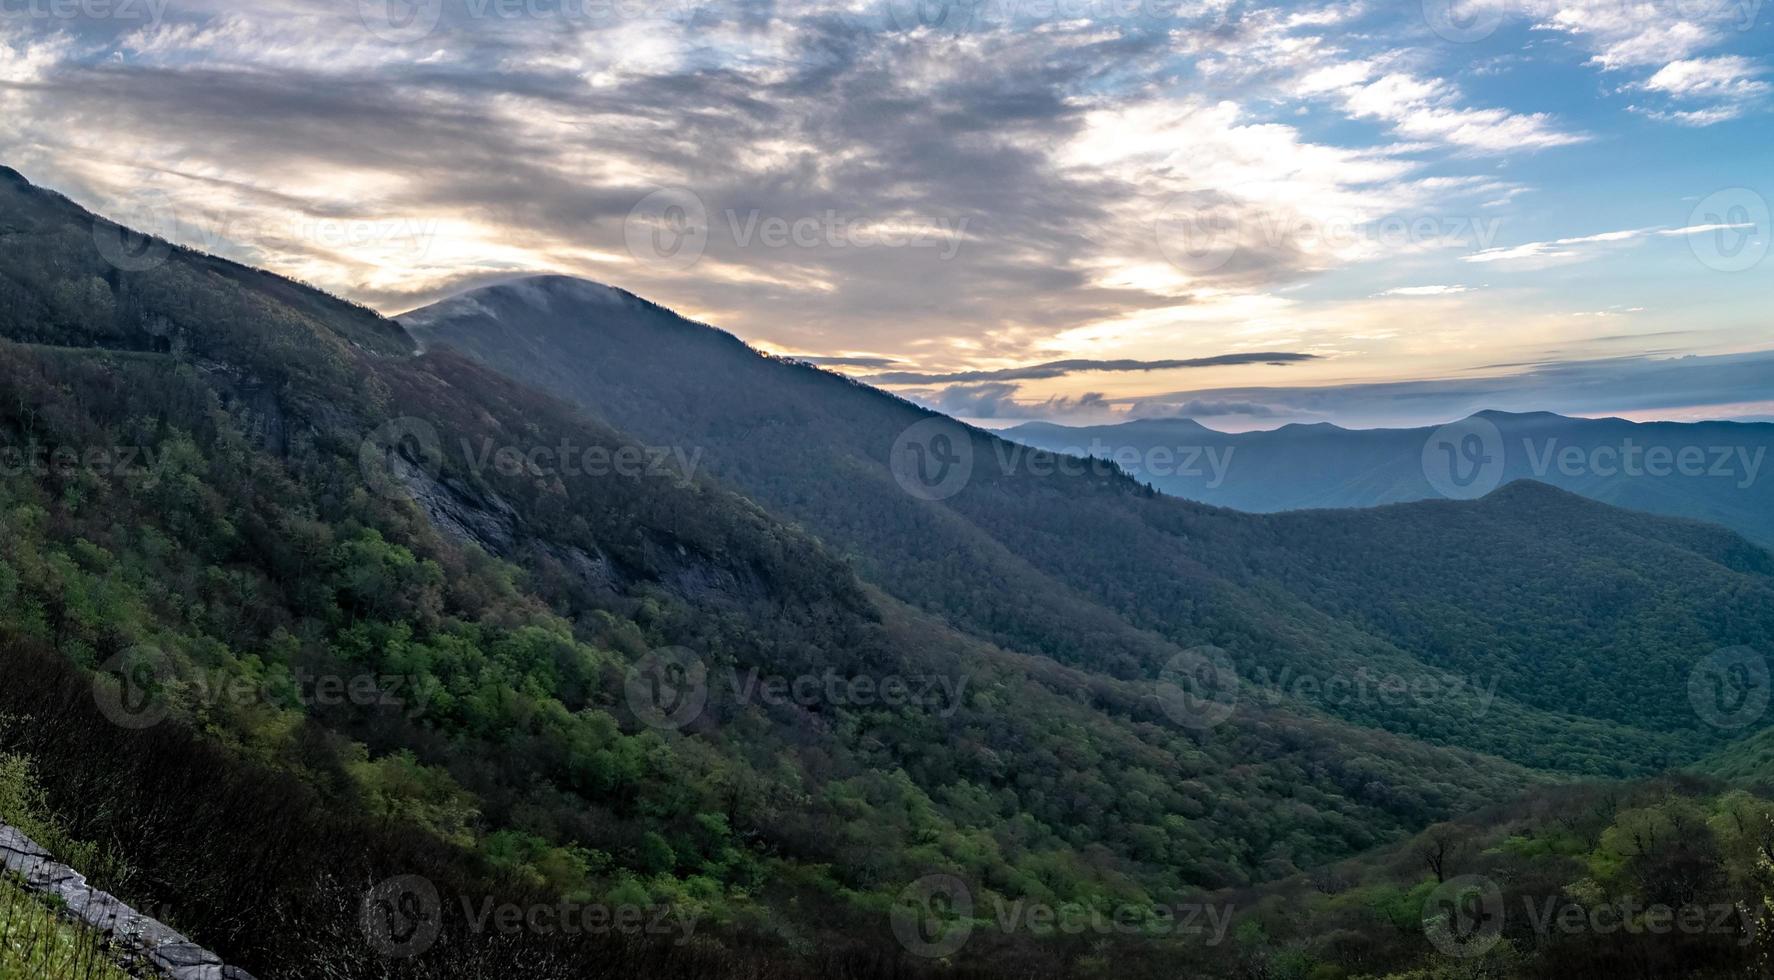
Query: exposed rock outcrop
pixel 149 946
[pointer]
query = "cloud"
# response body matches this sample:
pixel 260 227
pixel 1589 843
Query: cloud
pixel 1731 76
pixel 1428 109
pixel 1639 384
pixel 998 400
pixel 1425 291
pixel 1091 402
pixel 861 362
pixel 1731 83
pixel 524 142
pixel 1091 181
pixel 1059 369
pixel 1575 248
pixel 1624 34
pixel 1667 40
pixel 1651 385
pixel 1634 35
pixel 529 146
pixel 1556 249
pixel 1692 117
pixel 1640 336
pixel 986 401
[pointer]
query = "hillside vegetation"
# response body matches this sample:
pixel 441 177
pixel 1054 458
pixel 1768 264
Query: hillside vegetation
pixel 1558 633
pixel 283 624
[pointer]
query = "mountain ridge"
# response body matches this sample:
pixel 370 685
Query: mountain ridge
pixel 329 507
pixel 685 383
pixel 1714 471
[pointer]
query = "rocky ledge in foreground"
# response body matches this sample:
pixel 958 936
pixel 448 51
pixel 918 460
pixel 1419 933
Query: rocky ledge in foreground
pixel 142 942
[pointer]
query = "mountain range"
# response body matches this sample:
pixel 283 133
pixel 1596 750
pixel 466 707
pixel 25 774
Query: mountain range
pixel 1710 471
pixel 599 549
pixel 1089 567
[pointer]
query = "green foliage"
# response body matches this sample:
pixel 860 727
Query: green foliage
pixel 23 805
pixel 1570 627
pixel 37 944
pixel 1586 881
pixel 449 661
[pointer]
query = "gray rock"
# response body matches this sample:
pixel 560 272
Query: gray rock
pixel 158 946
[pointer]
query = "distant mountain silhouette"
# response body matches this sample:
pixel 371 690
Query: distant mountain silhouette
pixel 1711 471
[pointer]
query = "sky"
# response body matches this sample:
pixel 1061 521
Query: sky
pixel 1075 210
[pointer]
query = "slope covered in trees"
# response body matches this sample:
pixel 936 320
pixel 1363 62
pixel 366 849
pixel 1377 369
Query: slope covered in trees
pixel 1553 632
pixel 368 605
pixel 226 492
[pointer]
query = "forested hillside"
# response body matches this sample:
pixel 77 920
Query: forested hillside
pixel 230 488
pixel 1672 877
pixel 290 612
pixel 1561 634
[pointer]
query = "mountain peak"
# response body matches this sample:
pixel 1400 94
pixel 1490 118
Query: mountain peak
pixel 1498 415
pixel 532 293
pixel 1168 424
pixel 552 309
pixel 1310 428
pixel 539 290
pixel 558 281
pixel 1173 422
